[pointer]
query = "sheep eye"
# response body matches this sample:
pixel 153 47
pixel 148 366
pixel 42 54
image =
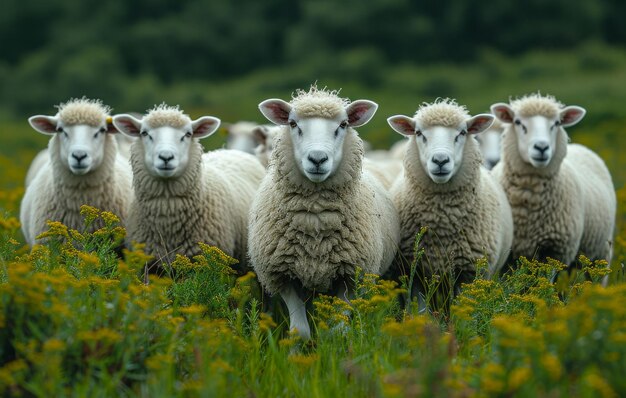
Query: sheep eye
pixel 293 124
pixel 557 123
pixel 343 124
pixel 187 135
pixel 102 130
pixel 144 133
pixel 518 122
pixel 463 132
pixel 418 133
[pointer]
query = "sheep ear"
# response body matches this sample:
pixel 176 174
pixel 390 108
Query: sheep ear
pixel 205 126
pixel 402 124
pixel 260 134
pixel 44 124
pixel 276 111
pixel 570 115
pixel 127 125
pixel 360 112
pixel 479 123
pixel 503 112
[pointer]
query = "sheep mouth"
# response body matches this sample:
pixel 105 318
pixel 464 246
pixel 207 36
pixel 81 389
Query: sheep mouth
pixel 165 168
pixel 540 158
pixel 440 173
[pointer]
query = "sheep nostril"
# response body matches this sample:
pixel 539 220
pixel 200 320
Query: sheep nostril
pixel 317 158
pixel 541 147
pixel 166 156
pixel 440 160
pixel 79 155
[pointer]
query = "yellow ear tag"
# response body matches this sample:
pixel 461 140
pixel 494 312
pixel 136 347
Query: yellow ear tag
pixel 109 120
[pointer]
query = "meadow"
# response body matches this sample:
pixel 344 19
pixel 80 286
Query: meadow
pixel 75 320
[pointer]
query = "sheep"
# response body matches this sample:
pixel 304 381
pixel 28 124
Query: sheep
pixel 82 167
pixel 445 188
pixel 386 165
pixel 317 215
pixel 561 194
pixel 182 196
pixel 244 136
pixel 265 136
pixel 489 141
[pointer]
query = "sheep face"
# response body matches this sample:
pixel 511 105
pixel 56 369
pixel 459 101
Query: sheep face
pixel 166 148
pixel 318 141
pixel 82 146
pixel 537 134
pixel 440 148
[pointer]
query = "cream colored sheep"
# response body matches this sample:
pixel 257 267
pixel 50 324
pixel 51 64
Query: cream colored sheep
pixel 83 167
pixel 317 215
pixel 562 195
pixel 183 196
pixel 444 188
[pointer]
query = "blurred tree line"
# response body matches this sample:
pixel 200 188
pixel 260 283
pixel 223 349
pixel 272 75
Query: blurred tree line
pixel 124 51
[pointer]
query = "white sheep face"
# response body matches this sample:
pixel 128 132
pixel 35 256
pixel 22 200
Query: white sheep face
pixel 537 135
pixel 318 142
pixel 440 148
pixel 82 146
pixel 165 148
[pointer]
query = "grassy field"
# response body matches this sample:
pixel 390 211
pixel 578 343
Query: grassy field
pixel 77 321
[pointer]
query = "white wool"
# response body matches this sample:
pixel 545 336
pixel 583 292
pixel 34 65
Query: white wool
pixel 318 103
pixel 83 111
pixel 165 115
pixel 444 112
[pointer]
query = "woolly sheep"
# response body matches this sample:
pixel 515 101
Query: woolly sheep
pixel 265 136
pixel 444 188
pixel 489 141
pixel 562 195
pixel 84 168
pixel 317 215
pixel 244 136
pixel 183 196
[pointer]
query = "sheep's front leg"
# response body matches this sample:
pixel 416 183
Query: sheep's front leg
pixel 297 312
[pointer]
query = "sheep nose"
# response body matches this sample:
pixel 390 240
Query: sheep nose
pixel 440 159
pixel 541 146
pixel 317 157
pixel 79 155
pixel 166 156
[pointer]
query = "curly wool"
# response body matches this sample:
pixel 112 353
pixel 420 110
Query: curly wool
pixel 83 111
pixel 165 115
pixel 536 105
pixel 319 233
pixel 57 194
pixel 562 209
pixel 318 103
pixel 467 217
pixel 208 203
pixel 445 112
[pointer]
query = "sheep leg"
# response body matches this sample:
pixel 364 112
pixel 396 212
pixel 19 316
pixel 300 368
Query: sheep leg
pixel 297 312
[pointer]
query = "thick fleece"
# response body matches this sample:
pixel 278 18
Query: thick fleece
pixel 467 218
pixel 318 233
pixel 565 208
pixel 57 194
pixel 209 203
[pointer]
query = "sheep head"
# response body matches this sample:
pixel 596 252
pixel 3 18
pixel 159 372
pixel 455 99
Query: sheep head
pixel 318 126
pixel 441 130
pixel 537 122
pixel 166 135
pixel 81 126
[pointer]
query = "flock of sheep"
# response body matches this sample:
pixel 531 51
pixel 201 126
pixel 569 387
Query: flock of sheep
pixel 308 205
